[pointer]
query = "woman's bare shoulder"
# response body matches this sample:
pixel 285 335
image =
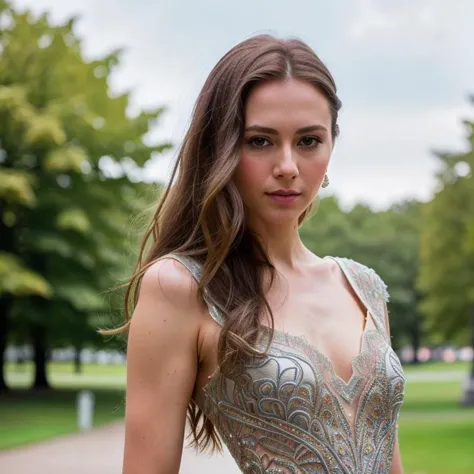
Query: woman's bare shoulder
pixel 169 281
pixel 168 301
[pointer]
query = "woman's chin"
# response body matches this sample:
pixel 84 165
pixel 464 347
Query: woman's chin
pixel 282 218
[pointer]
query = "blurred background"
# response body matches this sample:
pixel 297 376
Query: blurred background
pixel 94 100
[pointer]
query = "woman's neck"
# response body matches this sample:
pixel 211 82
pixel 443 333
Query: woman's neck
pixel 283 245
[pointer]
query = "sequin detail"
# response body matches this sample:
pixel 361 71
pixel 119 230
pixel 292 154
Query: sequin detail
pixel 289 413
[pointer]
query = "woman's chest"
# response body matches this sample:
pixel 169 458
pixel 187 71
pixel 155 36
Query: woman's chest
pixel 293 365
pixel 327 318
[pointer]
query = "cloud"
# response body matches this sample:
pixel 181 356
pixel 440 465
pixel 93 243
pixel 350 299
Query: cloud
pixel 364 168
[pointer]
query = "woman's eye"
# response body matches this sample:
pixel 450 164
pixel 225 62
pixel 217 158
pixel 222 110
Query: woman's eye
pixel 310 142
pixel 259 142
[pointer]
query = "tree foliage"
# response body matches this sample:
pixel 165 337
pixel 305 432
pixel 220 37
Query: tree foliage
pixel 447 251
pixel 70 153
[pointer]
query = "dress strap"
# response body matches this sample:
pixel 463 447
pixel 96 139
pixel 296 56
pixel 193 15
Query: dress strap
pixel 370 289
pixel 195 269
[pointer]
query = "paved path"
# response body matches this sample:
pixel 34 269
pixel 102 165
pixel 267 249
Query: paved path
pixel 97 452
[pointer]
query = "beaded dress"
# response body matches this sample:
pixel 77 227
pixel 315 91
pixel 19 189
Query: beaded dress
pixel 290 413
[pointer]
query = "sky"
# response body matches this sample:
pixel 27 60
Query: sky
pixel 404 73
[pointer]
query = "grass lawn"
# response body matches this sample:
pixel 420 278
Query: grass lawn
pixel 432 397
pixel 27 417
pixel 438 445
pixel 87 369
pixel 436 435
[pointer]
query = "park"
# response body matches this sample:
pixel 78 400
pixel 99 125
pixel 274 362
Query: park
pixel 72 213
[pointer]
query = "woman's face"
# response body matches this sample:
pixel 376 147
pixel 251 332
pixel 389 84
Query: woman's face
pixel 285 151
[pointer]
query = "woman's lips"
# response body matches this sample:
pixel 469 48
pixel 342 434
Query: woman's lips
pixel 284 197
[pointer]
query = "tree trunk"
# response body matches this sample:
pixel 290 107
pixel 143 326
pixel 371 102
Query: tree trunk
pixel 415 338
pixel 77 360
pixel 416 326
pixel 6 300
pixel 468 398
pixel 5 306
pixel 40 357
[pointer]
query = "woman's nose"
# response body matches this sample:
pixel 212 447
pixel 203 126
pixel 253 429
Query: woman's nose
pixel 286 166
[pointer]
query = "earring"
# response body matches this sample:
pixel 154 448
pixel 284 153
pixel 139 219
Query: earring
pixel 325 182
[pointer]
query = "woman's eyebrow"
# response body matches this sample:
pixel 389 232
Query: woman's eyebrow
pixel 272 131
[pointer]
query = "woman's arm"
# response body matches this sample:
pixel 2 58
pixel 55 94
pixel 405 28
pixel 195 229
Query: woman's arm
pixel 161 369
pixel 397 466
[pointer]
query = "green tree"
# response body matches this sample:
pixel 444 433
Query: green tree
pixel 327 231
pixel 447 252
pixel 71 156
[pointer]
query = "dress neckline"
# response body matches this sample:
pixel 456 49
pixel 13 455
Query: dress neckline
pixel 368 314
pixel 348 388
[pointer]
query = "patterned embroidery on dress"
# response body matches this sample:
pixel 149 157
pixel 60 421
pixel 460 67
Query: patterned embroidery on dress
pixel 282 413
pixel 360 363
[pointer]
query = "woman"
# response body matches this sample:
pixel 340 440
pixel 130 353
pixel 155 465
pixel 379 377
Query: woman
pixel 283 355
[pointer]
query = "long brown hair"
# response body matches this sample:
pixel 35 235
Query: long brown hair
pixel 202 215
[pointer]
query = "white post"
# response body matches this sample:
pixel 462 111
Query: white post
pixel 85 410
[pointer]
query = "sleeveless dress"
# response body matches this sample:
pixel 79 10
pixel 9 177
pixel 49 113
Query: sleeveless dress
pixel 290 413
